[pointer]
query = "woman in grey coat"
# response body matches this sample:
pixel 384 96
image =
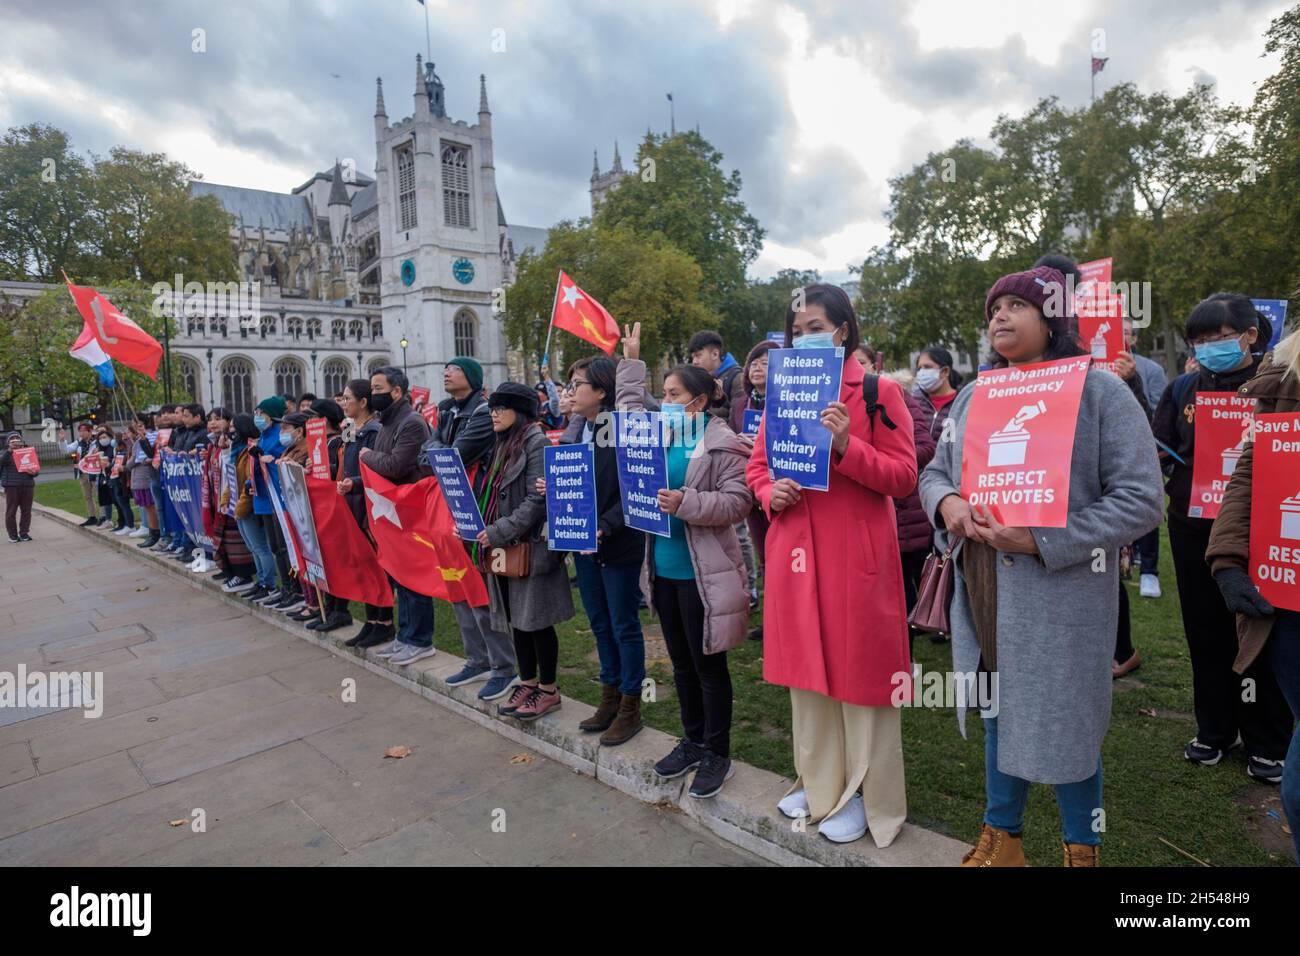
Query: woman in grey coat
pixel 1037 607
pixel 514 512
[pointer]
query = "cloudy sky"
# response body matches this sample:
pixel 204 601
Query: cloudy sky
pixel 817 102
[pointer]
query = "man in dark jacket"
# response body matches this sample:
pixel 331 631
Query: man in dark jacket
pixel 708 352
pixel 465 423
pixel 396 456
pixel 19 488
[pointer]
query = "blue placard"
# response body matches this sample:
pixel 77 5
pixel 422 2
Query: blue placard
pixel 642 470
pixel 182 481
pixel 456 490
pixel 570 497
pixel 777 337
pixel 753 417
pixel 1275 309
pixel 800 384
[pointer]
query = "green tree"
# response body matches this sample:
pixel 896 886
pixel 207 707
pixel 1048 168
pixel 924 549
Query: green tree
pixel 678 190
pixel 46 194
pixel 637 278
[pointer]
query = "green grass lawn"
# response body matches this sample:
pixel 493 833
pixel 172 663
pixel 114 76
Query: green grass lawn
pixel 1152 794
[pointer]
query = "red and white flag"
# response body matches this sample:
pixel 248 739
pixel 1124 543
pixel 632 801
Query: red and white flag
pixel 576 312
pixel 116 335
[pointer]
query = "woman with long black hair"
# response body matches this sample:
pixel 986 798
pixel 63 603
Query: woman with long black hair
pixel 378 628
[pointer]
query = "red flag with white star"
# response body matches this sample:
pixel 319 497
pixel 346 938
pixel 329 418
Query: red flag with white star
pixel 576 312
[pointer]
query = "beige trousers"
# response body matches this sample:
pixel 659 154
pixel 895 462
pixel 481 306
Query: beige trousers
pixel 89 494
pixel 839 747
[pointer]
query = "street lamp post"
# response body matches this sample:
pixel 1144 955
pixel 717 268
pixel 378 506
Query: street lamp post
pixel 313 370
pixel 212 395
pixel 403 344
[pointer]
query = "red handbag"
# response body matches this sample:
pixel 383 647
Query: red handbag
pixel 934 593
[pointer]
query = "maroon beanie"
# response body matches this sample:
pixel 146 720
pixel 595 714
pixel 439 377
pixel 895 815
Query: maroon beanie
pixel 1035 286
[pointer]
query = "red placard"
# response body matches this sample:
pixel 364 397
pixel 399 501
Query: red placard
pixel 91 463
pixel 1101 332
pixel 1019 441
pixel 26 462
pixel 117 466
pixel 1275 509
pixel 1222 420
pixel 555 434
pixel 419 396
pixel 430 414
pixel 164 439
pixel 317 446
pixel 1092 294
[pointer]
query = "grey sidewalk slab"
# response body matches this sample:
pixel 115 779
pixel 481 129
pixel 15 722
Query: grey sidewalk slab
pixel 210 706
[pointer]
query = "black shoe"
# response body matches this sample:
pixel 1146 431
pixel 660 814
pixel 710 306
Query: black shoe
pixel 756 634
pixel 305 616
pixel 938 637
pixel 256 594
pixel 13 540
pixel 89 521
pixel 360 635
pixel 713 773
pixel 1198 752
pixel 220 576
pixel 1263 770
pixel 149 541
pixel 24 537
pixel 686 756
pixel 382 634
pixel 335 621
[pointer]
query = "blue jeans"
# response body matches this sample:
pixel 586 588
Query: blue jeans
pixel 610 594
pixel 415 615
pixel 166 515
pixel 254 535
pixel 1284 657
pixel 1006 797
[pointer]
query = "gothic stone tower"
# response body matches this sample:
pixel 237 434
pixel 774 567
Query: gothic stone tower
pixel 442 235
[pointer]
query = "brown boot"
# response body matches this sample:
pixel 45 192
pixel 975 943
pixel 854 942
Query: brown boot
pixel 996 848
pixel 1081 854
pixel 627 724
pixel 606 711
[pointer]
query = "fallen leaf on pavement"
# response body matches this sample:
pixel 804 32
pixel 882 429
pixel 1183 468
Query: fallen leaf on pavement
pixel 177 823
pixel 398 752
pixel 522 758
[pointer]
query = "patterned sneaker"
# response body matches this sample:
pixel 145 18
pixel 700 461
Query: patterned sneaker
pixel 1198 752
pixel 1265 770
pixel 538 703
pixel 516 699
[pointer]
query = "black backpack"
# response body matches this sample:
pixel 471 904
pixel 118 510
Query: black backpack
pixel 871 395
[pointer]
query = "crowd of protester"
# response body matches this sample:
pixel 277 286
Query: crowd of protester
pixel 1028 605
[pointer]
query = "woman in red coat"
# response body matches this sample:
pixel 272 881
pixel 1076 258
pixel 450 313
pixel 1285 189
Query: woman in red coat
pixel 834 617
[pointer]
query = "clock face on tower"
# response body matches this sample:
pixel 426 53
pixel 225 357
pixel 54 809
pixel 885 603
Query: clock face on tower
pixel 408 272
pixel 463 270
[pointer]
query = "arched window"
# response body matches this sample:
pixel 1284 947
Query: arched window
pixel 405 162
pixel 338 329
pixel 336 372
pixel 294 326
pixel 354 328
pixel 465 333
pixel 237 385
pixel 190 377
pixel 375 364
pixel 455 186
pixel 268 325
pixel 289 374
pixel 376 329
pixel 313 328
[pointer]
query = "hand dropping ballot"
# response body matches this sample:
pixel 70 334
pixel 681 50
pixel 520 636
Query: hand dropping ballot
pixel 642 470
pixel 1019 441
pixel 570 497
pixel 800 384
pixel 1275 509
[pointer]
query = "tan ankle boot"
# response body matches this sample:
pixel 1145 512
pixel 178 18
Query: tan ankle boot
pixel 996 848
pixel 627 724
pixel 1081 854
pixel 606 710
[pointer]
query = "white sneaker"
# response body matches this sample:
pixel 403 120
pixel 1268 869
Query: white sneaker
pixel 410 654
pixel 1149 586
pixel 202 566
pixel 140 532
pixel 390 649
pixel 125 529
pixel 795 805
pixel 848 825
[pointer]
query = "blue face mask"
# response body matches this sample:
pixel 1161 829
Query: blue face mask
pixel 286 437
pixel 1220 357
pixel 261 421
pixel 815 340
pixel 673 413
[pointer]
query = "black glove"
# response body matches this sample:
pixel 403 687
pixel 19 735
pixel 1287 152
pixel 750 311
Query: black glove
pixel 1240 593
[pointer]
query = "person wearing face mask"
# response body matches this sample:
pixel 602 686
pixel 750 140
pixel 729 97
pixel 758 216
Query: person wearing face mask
pixel 753 539
pixel 834 618
pixel 1228 336
pixel 937 384
pixel 608 581
pixel 166 420
pixel 112 493
pixel 1033 606
pixel 143 474
pixel 79 448
pixel 231 552
pixel 19 488
pixel 270 446
pixel 694 580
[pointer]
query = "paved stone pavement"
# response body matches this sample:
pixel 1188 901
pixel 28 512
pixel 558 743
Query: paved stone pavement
pixel 206 708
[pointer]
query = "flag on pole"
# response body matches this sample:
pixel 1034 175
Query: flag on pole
pixel 115 334
pixel 87 350
pixel 576 312
pixel 1099 64
pixel 416 540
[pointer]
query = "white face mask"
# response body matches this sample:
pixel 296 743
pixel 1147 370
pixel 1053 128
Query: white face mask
pixel 928 378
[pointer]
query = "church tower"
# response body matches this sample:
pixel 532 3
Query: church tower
pixel 602 183
pixel 441 233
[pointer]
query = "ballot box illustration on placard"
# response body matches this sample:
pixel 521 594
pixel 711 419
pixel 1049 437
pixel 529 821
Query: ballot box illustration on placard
pixel 1007 445
pixel 1291 518
pixel 1099 342
pixel 1230 458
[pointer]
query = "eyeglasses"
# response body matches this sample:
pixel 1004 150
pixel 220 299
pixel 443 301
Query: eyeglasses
pixel 573 385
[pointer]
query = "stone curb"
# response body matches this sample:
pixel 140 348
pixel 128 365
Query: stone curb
pixel 744 813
